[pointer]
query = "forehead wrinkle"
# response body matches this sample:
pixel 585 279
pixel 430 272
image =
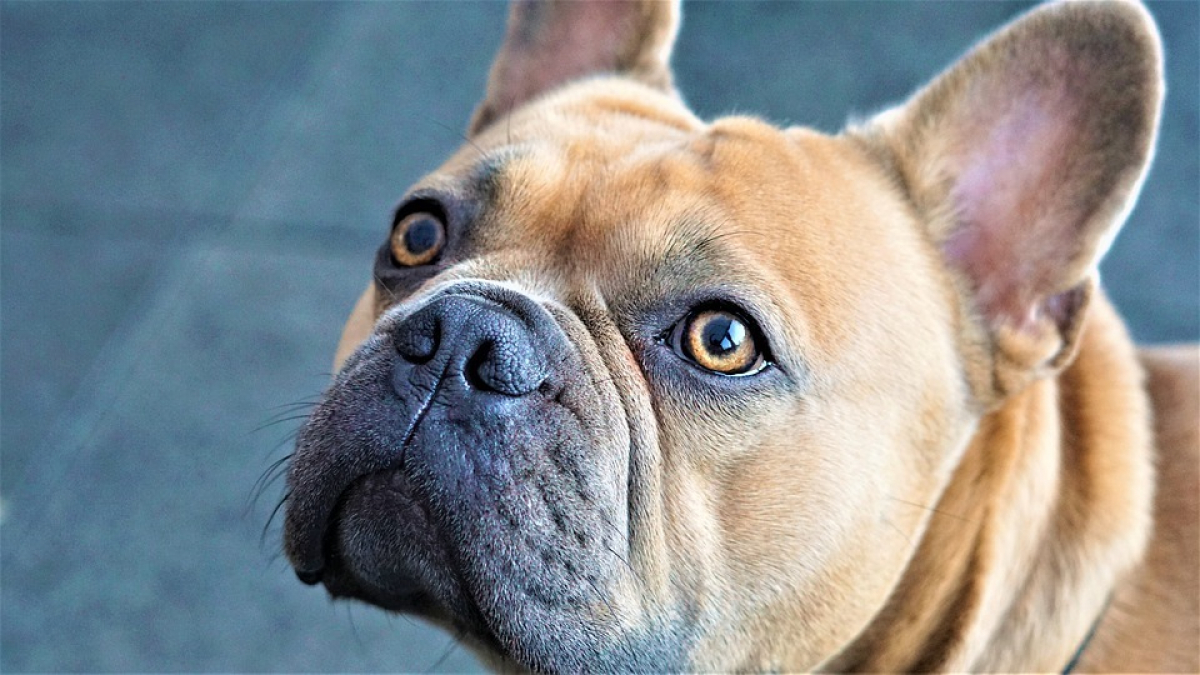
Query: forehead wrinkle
pixel 591 202
pixel 661 208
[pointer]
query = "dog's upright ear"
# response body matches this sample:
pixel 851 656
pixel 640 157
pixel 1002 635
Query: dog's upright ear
pixel 551 42
pixel 1024 159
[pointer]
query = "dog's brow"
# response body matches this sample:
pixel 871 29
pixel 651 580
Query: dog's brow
pixel 690 246
pixel 693 237
pixel 488 176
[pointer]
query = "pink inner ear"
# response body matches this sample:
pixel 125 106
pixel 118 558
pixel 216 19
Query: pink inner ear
pixel 566 41
pixel 1016 223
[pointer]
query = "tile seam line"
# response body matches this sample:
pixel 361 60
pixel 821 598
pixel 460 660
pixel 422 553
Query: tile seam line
pixel 322 66
pixel 213 236
pixel 272 107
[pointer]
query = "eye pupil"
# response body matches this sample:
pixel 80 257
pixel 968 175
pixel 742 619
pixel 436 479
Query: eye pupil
pixel 723 334
pixel 417 239
pixel 421 236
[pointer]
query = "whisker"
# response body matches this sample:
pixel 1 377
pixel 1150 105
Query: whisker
pixel 618 556
pixel 611 609
pixel 288 438
pixel 392 296
pixel 286 411
pixel 460 134
pixel 932 510
pixel 889 523
pixel 296 404
pixel 450 647
pixel 262 539
pixel 276 422
pixel 273 473
pixel 275 558
pixel 354 628
pixel 713 238
pixel 508 122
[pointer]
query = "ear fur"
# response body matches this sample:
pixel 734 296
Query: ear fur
pixel 1024 159
pixel 551 42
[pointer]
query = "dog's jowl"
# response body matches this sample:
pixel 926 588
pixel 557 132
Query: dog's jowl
pixel 631 390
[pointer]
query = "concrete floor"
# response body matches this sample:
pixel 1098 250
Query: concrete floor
pixel 190 194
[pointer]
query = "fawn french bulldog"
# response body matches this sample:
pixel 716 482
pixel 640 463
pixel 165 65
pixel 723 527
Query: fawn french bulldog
pixel 635 391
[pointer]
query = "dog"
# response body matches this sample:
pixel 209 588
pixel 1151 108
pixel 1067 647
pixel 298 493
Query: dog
pixel 631 391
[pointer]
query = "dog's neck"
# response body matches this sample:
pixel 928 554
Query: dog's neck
pixel 1047 513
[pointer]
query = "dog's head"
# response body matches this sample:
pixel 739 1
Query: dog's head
pixel 631 390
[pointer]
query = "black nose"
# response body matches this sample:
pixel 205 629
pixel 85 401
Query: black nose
pixel 479 340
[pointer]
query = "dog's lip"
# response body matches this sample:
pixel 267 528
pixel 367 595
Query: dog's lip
pixel 306 547
pixel 310 541
pixel 342 580
pixel 311 512
pixel 321 548
pixel 309 522
pixel 310 577
pixel 305 535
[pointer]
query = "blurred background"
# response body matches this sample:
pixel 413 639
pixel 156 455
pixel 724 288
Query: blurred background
pixel 190 195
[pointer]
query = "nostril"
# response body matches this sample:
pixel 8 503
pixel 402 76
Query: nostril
pixel 417 341
pixel 479 368
pixel 483 344
pixel 504 367
pixel 416 348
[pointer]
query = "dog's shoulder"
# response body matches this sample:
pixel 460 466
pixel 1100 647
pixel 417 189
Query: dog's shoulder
pixel 1173 381
pixel 1169 635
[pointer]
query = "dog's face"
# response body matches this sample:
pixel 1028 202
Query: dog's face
pixel 635 391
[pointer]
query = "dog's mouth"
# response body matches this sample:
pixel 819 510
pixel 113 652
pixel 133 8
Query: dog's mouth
pixel 497 507
pixel 345 574
pixel 396 562
pixel 500 547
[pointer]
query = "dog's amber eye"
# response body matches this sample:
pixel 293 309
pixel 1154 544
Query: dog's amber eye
pixel 719 341
pixel 417 239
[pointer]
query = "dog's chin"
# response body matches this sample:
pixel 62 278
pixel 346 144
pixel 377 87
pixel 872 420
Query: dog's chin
pixel 513 596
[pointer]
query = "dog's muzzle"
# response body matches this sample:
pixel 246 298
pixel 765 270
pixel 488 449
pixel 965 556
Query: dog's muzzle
pixel 462 466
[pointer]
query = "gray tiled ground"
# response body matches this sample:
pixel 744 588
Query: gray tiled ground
pixel 189 195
